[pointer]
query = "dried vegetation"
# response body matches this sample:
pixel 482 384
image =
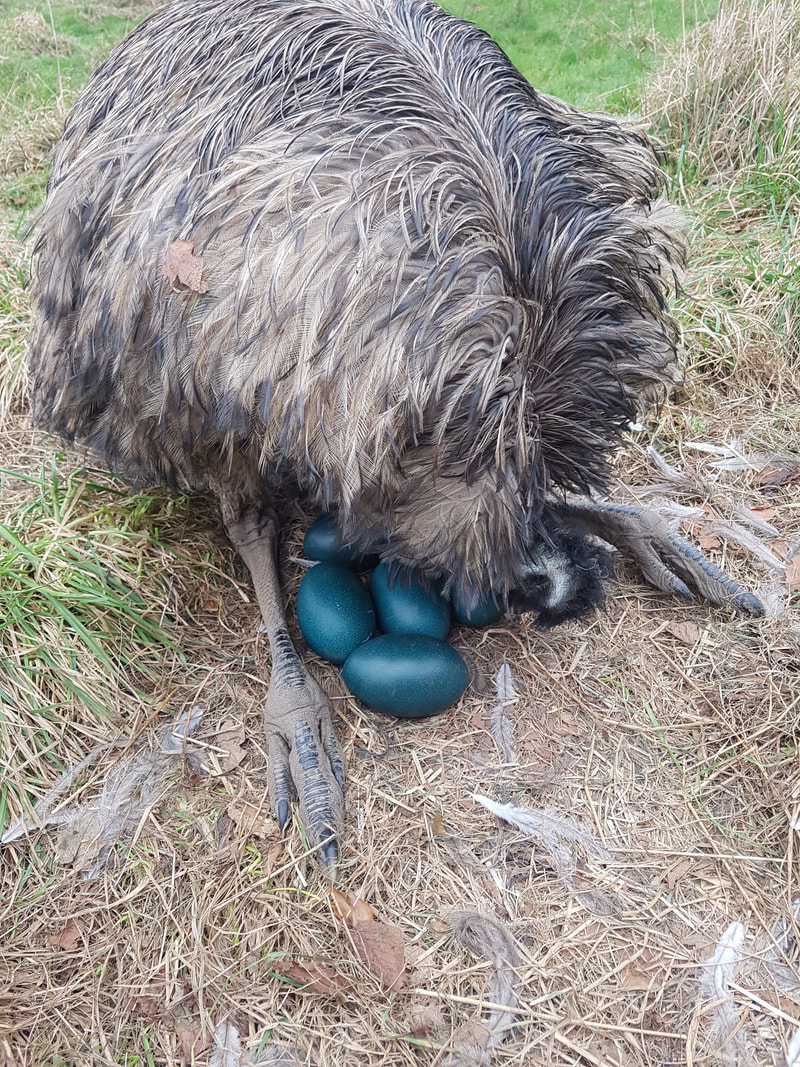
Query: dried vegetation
pixel 635 906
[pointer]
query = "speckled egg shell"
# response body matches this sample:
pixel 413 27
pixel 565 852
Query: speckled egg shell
pixel 334 610
pixel 405 606
pixel 409 676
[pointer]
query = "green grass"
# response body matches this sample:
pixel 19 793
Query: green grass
pixel 591 53
pixel 61 61
pixel 81 624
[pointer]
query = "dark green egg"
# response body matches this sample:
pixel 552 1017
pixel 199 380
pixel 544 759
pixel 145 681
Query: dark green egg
pixel 322 542
pixel 405 606
pixel 334 610
pixel 410 676
pixel 484 611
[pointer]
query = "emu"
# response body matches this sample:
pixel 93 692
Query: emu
pixel 420 294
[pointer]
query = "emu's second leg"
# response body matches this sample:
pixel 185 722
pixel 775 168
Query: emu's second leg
pixel 667 560
pixel 305 760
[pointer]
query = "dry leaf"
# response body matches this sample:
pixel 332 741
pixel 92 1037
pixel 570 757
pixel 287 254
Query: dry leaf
pixel 792 576
pixel 316 976
pixel 688 633
pixel 68 938
pixel 147 1007
pixel 690 867
pixel 708 542
pixel 437 824
pixel 183 268
pixel 771 477
pixel 639 972
pixel 382 948
pixel 424 1019
pixel 151 1001
pixel 193 1037
pixel 351 908
pixel 229 738
pixel 253 819
pixel 765 512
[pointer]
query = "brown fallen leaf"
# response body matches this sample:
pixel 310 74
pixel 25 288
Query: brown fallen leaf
pixel 470 1045
pixel 690 867
pixel 770 477
pixel 316 976
pixel 708 542
pixel 349 907
pixel 424 1019
pixel 193 1037
pixel 437 824
pixel 152 999
pixel 382 948
pixel 147 1007
pixel 229 738
pixel 68 938
pixel 792 575
pixel 643 970
pixel 253 819
pixel 765 512
pixel 183 267
pixel 688 633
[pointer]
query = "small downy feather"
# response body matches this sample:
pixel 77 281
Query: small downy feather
pixel 485 937
pixel 551 828
pixel 715 977
pixel 88 832
pixel 501 723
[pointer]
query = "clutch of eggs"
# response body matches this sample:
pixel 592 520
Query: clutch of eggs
pixel 409 671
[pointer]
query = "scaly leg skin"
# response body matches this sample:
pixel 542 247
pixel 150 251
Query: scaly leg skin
pixel 305 760
pixel 667 560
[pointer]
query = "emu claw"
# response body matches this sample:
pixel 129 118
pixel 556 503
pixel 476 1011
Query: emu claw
pixel 306 765
pixel 666 558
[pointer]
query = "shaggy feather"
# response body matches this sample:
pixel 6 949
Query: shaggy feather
pixel 436 296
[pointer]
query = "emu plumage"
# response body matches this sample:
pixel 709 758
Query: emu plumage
pixel 435 300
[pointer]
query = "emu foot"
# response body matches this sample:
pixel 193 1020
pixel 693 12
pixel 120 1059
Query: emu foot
pixel 306 764
pixel 667 560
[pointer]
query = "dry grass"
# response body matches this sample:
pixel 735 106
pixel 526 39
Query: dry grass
pixel 729 92
pixel 666 731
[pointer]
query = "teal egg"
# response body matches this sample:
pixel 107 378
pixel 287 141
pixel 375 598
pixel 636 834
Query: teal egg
pixel 404 605
pixel 334 610
pixel 409 676
pixel 483 612
pixel 322 542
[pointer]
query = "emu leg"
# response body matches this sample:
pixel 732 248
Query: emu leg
pixel 305 760
pixel 667 560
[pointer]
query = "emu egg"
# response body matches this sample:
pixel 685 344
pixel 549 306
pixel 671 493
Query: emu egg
pixel 405 606
pixel 485 611
pixel 322 541
pixel 334 611
pixel 409 676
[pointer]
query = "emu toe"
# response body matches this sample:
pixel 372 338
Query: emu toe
pixel 306 765
pixel 668 561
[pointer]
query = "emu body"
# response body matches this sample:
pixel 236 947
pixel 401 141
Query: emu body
pixel 435 299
